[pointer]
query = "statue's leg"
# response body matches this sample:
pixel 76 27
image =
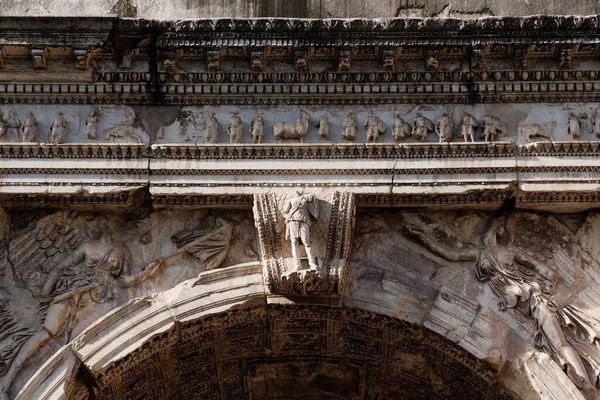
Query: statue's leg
pixel 553 332
pixel 295 253
pixel 57 315
pixel 311 259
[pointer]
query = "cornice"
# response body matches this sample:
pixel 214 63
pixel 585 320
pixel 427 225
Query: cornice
pixel 130 61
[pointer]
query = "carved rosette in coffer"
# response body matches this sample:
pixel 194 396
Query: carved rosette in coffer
pixel 329 227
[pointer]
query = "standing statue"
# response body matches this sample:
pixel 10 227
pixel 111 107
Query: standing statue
pixel 421 127
pixel 323 125
pixel 574 125
pixel 12 126
pixel 349 127
pixel 211 131
pixel 525 284
pixel 91 124
pixel 184 126
pixel 29 128
pixel 58 129
pixel 596 122
pixel 83 270
pixel 401 128
pixel 292 130
pixel 375 126
pixel 235 128
pixel 493 128
pixel 443 128
pixel 298 211
pixel 257 129
pixel 467 127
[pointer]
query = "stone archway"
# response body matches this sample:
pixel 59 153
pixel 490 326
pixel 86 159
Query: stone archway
pixel 291 351
pixel 220 336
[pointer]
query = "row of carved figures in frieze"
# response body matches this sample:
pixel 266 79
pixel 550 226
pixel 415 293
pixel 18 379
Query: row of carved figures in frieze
pixel 420 128
pixel 27 130
pixel 491 128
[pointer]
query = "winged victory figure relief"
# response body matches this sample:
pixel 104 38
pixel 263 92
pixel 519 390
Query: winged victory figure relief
pixel 70 261
pixel 519 256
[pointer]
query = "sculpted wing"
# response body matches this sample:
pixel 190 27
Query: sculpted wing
pixel 548 242
pixel 34 254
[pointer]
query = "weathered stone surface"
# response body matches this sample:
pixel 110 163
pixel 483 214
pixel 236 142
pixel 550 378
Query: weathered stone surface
pixel 302 208
pixel 299 9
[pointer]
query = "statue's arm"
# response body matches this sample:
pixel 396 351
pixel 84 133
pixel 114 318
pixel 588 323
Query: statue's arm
pixel 130 280
pixel 441 250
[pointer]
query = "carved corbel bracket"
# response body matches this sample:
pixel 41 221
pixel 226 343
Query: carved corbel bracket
pixel 389 61
pixel 128 58
pixel 478 58
pixel 82 58
pixel 213 59
pixel 328 235
pixel 169 61
pixel 257 59
pixel 39 57
pixel 345 55
pixel 301 60
pixel 522 55
pixel 432 62
pixel 565 57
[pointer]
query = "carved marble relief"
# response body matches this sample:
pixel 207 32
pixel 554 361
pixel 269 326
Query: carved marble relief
pixel 421 127
pixel 29 128
pixel 323 126
pixel 493 128
pixel 401 129
pixel 349 127
pixel 58 129
pixel 292 130
pixel 468 124
pixel 443 128
pixel 235 129
pixel 63 271
pixel 596 123
pixel 12 124
pixel 375 127
pixel 532 263
pixel 257 129
pixel 91 125
pixel 321 223
pixel 122 124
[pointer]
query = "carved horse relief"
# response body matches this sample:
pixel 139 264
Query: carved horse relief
pixel 292 130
